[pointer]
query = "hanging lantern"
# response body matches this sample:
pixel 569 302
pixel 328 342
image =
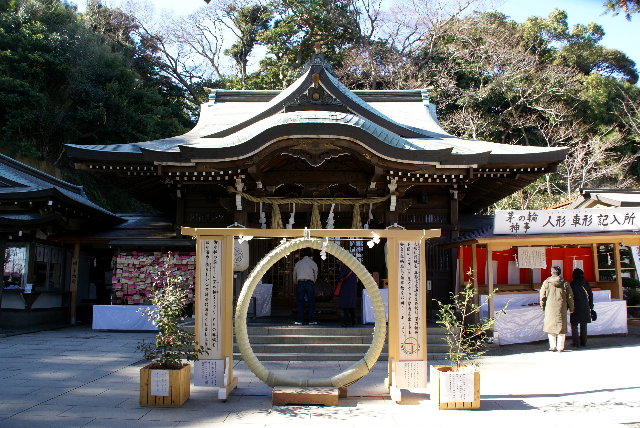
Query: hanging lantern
pixel 240 255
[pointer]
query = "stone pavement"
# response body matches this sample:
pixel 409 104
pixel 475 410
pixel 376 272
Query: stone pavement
pixel 76 377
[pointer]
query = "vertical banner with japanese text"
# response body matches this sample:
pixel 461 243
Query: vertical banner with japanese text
pixel 411 311
pixel 210 298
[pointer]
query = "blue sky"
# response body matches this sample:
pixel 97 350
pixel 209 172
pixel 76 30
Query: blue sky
pixel 620 33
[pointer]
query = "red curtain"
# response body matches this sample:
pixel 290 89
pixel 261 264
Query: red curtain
pixel 567 255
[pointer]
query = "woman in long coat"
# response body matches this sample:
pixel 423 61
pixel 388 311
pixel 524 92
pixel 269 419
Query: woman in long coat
pixel 555 298
pixel 583 300
pixel 347 296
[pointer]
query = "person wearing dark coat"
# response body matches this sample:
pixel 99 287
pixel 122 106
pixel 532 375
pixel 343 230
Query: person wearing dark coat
pixel 347 296
pixel 583 302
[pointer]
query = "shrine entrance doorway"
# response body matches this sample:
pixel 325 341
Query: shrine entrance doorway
pixel 280 276
pixel 407 343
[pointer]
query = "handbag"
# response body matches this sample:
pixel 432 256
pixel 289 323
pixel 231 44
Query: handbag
pixel 594 315
pixel 336 292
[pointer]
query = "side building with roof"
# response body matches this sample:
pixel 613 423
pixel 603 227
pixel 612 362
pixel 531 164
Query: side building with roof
pixel 43 279
pixel 348 158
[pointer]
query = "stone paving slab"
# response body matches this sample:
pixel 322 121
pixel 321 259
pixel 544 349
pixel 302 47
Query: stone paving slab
pixel 86 378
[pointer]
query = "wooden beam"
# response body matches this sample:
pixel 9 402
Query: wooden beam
pixel 508 241
pixel 490 279
pixel 594 254
pixel 423 302
pixel 460 284
pixel 226 313
pixel 392 274
pixel 474 269
pixel 304 396
pixel 617 294
pixel 73 285
pixel 403 235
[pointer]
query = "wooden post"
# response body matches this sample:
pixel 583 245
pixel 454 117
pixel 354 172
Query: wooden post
pixel 392 276
pixel 474 269
pixel 490 280
pixel 197 304
pixel 453 214
pixel 414 344
pixel 423 301
pixel 227 309
pixel 222 312
pixel 460 284
pixel 180 207
pixel 407 340
pixel 617 294
pixel 73 285
pixel 594 253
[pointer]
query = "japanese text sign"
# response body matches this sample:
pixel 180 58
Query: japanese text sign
pixel 530 222
pixel 410 300
pixel 209 299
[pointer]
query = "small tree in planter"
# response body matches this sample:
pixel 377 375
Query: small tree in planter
pixel 166 381
pixel 467 337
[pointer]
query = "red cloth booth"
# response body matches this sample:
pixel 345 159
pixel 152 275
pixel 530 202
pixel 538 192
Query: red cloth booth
pixel 506 269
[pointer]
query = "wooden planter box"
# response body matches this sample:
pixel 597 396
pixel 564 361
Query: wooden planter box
pixel 179 387
pixel 437 390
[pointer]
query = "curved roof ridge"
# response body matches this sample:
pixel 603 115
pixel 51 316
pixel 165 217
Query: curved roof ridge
pixel 40 175
pixel 272 107
pixel 334 87
pixel 343 90
pixel 36 183
pixel 307 116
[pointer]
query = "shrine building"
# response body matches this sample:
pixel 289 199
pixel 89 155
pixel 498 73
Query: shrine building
pixel 319 155
pixel 38 282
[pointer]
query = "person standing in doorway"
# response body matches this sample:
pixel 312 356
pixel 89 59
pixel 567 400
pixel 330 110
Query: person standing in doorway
pixel 348 284
pixel 555 298
pixel 305 273
pixel 583 301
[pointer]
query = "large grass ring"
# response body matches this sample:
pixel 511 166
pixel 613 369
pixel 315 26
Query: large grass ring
pixel 348 376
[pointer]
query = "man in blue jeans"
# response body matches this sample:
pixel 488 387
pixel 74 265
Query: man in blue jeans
pixel 305 273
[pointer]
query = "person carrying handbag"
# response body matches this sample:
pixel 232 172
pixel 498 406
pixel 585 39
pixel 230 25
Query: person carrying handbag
pixel 583 302
pixel 346 289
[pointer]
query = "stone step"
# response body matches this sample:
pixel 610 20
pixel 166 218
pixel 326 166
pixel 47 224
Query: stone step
pixel 304 339
pixel 322 330
pixel 317 330
pixel 323 342
pixel 328 340
pixel 327 348
pixel 328 357
pixel 323 349
pixel 310 348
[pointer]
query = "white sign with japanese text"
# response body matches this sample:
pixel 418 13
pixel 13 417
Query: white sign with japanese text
pixel 209 299
pixel 160 383
pixel 208 372
pixel 456 387
pixel 411 374
pixel 530 222
pixel 410 302
pixel 532 258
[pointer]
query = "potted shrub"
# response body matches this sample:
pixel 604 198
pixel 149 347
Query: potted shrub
pixel 457 384
pixel 166 380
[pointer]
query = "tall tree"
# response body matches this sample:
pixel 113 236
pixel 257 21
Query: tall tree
pixel 61 83
pixel 628 7
pixel 297 26
pixel 249 21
